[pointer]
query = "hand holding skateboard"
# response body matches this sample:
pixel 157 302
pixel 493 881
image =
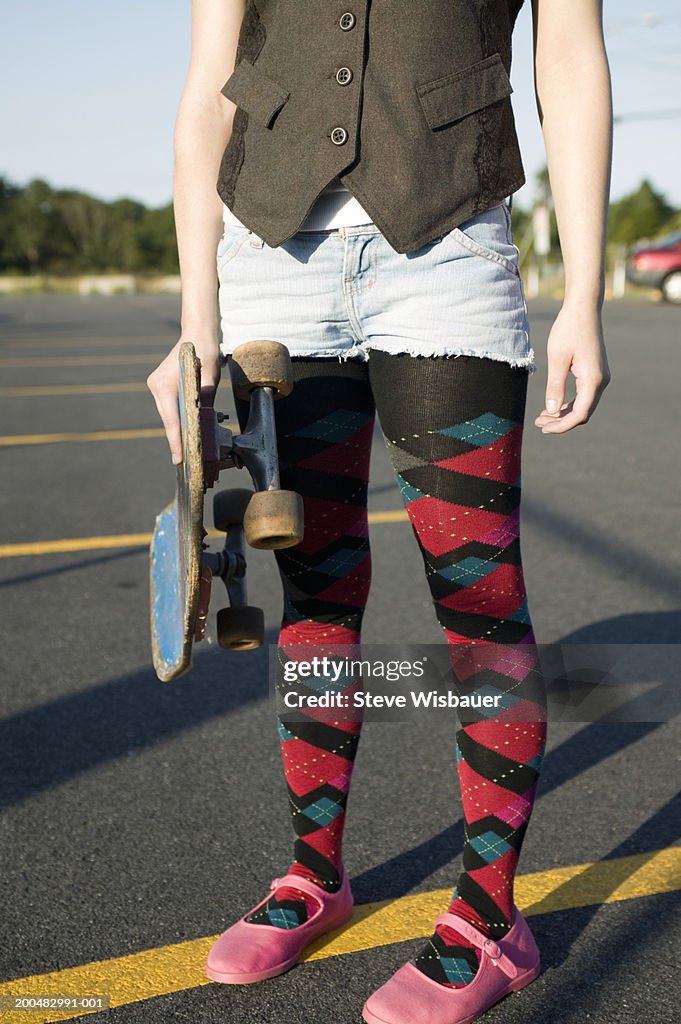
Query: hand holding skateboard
pixel 181 569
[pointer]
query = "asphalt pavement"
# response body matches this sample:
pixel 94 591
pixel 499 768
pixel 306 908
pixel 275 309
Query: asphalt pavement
pixel 139 815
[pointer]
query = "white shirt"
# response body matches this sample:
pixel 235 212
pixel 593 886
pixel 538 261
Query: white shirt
pixel 335 207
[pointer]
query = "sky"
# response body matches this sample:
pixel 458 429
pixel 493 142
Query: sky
pixel 90 92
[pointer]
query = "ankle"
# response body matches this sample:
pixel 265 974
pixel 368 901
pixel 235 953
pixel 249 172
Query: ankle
pixel 459 908
pixel 329 884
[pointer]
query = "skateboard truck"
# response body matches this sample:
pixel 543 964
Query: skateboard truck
pixel 181 567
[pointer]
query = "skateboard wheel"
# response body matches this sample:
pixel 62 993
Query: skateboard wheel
pixel 229 507
pixel 261 364
pixel 241 629
pixel 274 519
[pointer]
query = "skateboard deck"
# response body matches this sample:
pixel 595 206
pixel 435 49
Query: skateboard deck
pixel 175 555
pixel 181 568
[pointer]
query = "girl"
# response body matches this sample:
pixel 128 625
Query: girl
pixel 365 163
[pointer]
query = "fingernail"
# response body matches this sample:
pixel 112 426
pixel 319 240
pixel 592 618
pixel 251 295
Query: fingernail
pixel 552 405
pixel 177 459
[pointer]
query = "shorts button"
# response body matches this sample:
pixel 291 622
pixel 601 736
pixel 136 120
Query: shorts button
pixel 347 21
pixel 343 76
pixel 339 136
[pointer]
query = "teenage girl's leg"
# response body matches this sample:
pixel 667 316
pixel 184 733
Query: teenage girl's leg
pixel 453 429
pixel 324 435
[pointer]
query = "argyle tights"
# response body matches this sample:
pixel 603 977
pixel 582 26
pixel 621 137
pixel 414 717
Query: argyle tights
pixel 452 427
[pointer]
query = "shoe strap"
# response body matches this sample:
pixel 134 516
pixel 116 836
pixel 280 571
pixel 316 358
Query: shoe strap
pixel 293 881
pixel 487 946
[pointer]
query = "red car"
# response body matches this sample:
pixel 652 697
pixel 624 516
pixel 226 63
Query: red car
pixel 658 265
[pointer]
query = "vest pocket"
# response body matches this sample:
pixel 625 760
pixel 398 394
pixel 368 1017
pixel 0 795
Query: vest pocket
pixel 454 96
pixel 255 92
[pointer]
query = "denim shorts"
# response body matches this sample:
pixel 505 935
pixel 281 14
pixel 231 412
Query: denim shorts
pixel 343 291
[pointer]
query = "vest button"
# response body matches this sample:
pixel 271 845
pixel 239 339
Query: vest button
pixel 347 21
pixel 343 76
pixel 339 136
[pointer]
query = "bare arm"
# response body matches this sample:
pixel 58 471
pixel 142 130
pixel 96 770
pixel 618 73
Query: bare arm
pixel 202 130
pixel 572 82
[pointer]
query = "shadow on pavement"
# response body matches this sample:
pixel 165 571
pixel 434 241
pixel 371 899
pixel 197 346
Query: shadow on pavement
pixel 87 563
pixel 45 746
pixel 592 964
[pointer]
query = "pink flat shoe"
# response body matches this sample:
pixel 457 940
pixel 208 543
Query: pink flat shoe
pixel 506 965
pixel 252 952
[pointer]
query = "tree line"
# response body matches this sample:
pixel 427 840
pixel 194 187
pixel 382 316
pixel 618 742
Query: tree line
pixel 46 230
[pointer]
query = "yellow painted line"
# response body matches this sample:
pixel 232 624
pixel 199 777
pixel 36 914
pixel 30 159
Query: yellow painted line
pixel 12 440
pixel 176 968
pixel 52 547
pixel 394 516
pixel 119 360
pixel 126 540
pixel 543 892
pixel 31 391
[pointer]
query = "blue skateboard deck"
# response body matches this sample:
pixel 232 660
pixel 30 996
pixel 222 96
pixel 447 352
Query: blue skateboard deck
pixel 181 568
pixel 176 545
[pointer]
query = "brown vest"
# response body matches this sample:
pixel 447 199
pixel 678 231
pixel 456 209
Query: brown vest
pixel 407 100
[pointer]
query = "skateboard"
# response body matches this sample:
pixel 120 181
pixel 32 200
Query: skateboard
pixel 181 568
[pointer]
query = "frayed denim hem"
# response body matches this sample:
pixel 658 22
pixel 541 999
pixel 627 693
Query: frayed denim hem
pixel 527 362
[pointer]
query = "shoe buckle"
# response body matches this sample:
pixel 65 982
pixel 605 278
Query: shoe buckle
pixel 491 949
